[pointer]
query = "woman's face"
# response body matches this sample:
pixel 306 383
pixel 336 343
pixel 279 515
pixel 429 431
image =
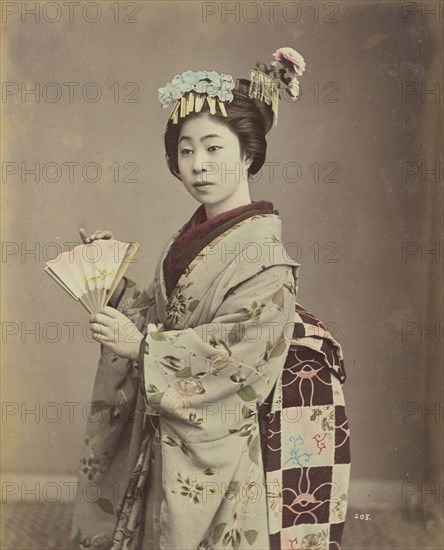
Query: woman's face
pixel 209 152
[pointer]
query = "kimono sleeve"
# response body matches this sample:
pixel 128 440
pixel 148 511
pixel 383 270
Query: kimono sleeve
pixel 212 376
pixel 116 382
pixel 137 303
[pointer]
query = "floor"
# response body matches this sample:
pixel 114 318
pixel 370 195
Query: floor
pixel 26 526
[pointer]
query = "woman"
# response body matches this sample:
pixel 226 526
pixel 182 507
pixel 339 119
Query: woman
pixel 194 446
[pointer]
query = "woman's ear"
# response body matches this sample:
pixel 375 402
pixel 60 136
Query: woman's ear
pixel 248 162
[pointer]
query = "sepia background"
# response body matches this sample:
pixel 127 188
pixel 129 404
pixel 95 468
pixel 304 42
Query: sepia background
pixel 358 182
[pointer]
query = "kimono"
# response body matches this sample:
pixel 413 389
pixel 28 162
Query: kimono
pixel 201 443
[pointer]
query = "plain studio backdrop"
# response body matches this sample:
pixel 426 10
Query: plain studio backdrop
pixel 353 167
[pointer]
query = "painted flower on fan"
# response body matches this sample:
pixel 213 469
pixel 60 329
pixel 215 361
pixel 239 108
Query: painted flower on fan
pixel 291 59
pixel 202 82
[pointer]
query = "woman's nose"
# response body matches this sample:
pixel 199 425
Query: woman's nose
pixel 200 162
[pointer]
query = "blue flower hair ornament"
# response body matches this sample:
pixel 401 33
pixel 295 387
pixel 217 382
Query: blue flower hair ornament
pixel 201 82
pixel 191 89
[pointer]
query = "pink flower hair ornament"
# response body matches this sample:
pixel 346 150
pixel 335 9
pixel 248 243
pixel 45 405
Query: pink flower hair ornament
pixel 190 90
pixel 290 58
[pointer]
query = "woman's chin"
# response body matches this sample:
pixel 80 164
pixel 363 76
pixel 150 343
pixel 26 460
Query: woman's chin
pixel 206 197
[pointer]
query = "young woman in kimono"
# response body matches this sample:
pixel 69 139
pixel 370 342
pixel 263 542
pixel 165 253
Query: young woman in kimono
pixel 219 421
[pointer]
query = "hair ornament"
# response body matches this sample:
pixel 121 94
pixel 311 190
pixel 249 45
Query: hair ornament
pixel 266 80
pixel 190 90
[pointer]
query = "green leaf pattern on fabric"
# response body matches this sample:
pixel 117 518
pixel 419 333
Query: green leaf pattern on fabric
pixel 232 361
pixel 206 381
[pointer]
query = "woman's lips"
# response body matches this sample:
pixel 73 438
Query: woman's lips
pixel 203 185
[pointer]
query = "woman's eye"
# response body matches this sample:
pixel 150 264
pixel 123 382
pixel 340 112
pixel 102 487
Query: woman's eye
pixel 186 151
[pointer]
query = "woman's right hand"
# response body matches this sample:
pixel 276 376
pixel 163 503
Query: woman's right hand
pixel 99 234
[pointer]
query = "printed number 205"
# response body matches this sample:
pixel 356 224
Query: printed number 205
pixel 365 517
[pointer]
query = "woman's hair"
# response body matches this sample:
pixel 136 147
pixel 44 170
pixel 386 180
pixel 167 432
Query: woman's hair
pixel 249 118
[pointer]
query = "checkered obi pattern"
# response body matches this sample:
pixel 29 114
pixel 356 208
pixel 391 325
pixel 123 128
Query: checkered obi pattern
pixel 306 443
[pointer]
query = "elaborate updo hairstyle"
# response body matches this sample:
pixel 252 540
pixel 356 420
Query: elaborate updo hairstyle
pixel 249 118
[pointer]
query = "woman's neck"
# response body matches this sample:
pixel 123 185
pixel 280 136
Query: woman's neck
pixel 213 210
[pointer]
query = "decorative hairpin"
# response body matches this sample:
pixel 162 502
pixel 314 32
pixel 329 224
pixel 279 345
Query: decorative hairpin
pixel 190 90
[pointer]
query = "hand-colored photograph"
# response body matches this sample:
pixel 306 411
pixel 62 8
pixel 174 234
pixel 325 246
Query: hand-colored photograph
pixel 222 321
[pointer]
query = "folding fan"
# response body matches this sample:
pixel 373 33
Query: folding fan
pixel 91 272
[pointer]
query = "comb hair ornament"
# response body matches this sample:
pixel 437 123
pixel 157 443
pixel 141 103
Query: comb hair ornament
pixel 190 90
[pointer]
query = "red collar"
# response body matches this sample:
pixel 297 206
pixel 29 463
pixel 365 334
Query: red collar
pixel 199 225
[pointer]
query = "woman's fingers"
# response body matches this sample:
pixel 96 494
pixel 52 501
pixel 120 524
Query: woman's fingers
pixel 96 328
pixel 104 332
pixel 99 234
pixel 83 235
pixel 110 312
pixel 106 312
pixel 104 234
pixel 101 319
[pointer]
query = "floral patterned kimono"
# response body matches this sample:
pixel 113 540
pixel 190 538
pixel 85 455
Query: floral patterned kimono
pixel 193 448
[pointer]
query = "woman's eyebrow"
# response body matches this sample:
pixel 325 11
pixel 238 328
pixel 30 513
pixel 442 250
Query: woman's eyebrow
pixel 202 138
